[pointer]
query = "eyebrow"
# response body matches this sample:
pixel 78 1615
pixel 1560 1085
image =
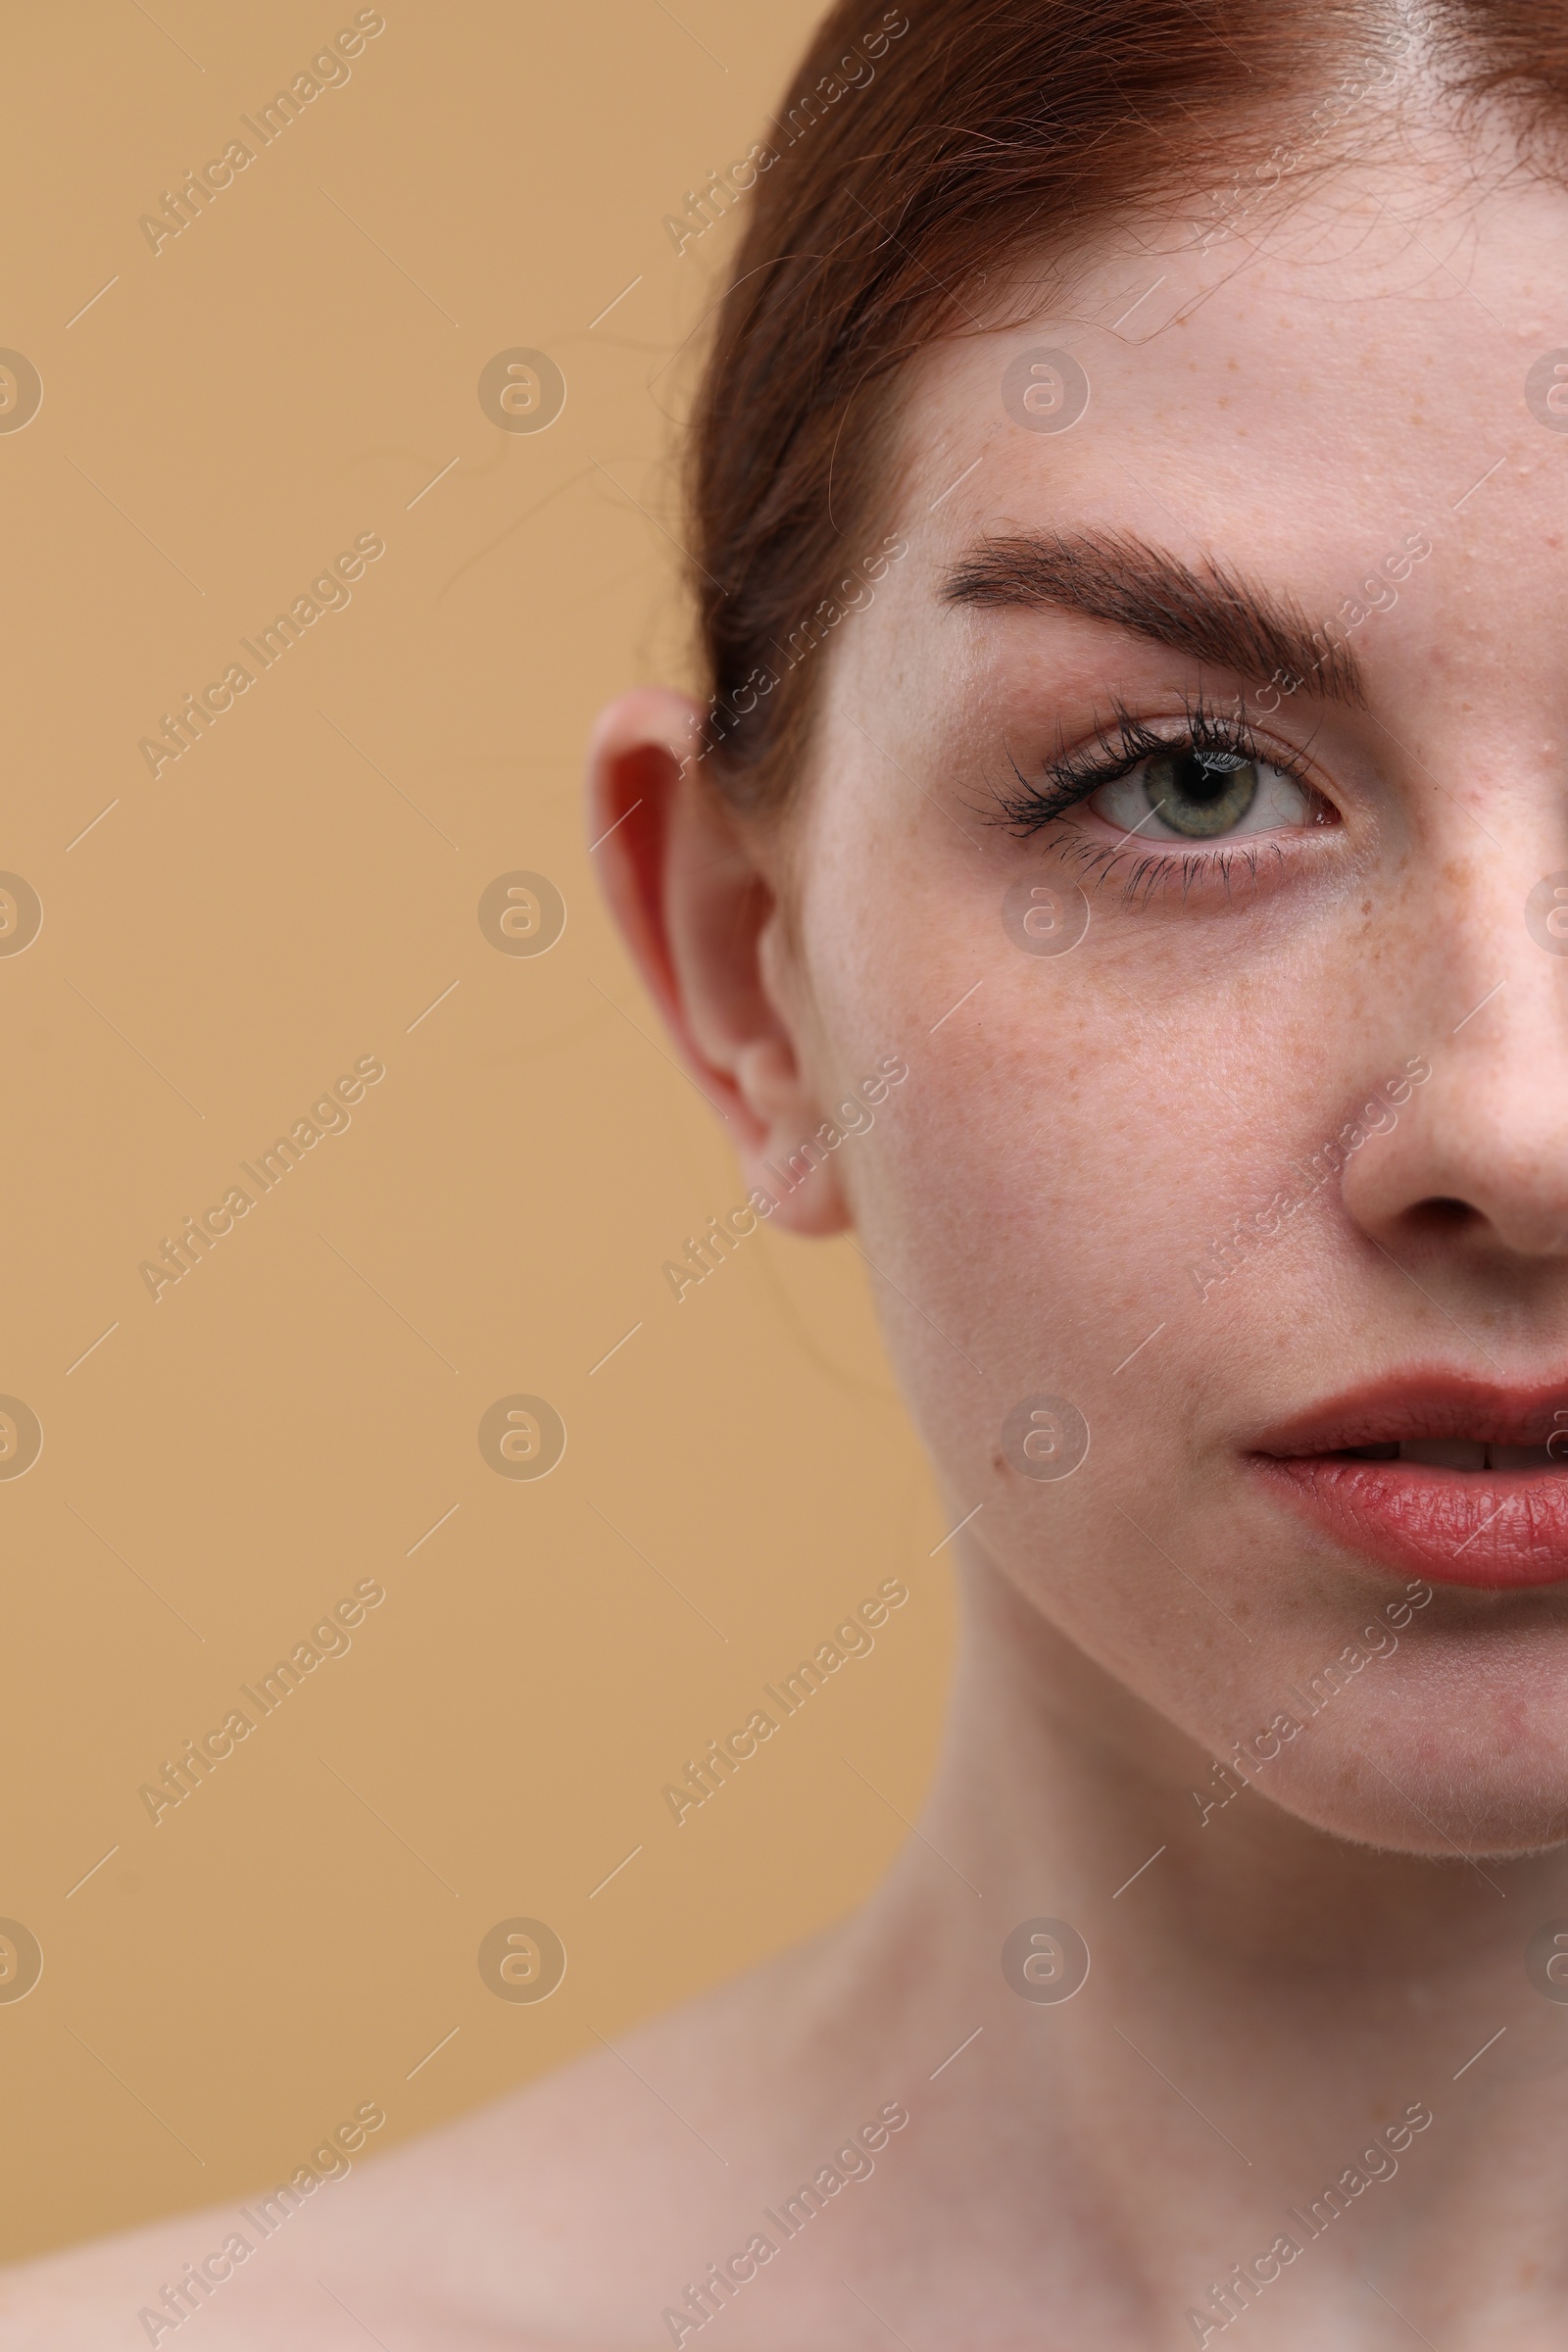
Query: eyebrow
pixel 1204 609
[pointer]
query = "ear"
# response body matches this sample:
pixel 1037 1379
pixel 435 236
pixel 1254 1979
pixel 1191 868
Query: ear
pixel 693 889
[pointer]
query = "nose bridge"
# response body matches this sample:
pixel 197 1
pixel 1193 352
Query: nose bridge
pixel 1486 1000
pixel 1497 974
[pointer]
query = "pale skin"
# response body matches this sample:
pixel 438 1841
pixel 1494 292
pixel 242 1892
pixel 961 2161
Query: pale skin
pixel 1299 1968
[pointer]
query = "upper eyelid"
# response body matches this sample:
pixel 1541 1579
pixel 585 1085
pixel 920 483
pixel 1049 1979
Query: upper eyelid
pixel 1076 775
pixel 1143 739
pixel 1063 782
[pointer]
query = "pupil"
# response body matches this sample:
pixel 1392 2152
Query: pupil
pixel 1201 793
pixel 1201 782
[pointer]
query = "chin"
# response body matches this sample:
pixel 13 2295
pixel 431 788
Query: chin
pixel 1473 1825
pixel 1453 1771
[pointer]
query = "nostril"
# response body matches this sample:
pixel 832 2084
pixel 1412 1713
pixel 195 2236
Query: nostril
pixel 1441 1214
pixel 1439 1217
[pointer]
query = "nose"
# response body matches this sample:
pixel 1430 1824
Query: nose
pixel 1478 1161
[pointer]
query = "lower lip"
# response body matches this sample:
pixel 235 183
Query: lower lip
pixel 1501 1530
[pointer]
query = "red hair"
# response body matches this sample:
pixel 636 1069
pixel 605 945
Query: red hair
pixel 920 158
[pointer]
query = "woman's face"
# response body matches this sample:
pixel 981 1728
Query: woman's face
pixel 1235 1139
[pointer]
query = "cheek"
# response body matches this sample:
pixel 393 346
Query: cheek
pixel 1068 1141
pixel 1056 1156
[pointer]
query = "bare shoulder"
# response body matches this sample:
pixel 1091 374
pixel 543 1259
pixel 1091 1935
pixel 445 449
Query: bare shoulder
pixel 584 2209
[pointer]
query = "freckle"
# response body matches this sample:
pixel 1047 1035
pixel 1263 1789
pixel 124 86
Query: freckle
pixel 1366 906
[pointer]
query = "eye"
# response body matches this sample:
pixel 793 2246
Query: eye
pixel 1185 793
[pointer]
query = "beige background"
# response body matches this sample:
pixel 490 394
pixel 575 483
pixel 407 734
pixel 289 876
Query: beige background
pixel 292 370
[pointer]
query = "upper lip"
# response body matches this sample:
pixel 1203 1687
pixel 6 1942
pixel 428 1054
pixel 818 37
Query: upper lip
pixel 1423 1404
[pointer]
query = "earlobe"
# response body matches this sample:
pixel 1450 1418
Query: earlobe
pixel 693 890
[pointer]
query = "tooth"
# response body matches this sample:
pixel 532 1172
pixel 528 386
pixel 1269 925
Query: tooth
pixel 1445 1454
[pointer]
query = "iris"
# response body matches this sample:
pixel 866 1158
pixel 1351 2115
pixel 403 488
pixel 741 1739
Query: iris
pixel 1201 793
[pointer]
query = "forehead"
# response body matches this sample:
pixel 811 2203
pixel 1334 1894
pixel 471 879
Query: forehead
pixel 1356 362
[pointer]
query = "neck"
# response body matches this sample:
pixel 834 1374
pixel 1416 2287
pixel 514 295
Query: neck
pixel 1268 2011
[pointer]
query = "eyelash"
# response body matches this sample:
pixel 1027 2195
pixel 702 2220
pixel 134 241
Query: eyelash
pixel 1030 806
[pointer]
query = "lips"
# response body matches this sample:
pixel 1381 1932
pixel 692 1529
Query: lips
pixel 1435 1475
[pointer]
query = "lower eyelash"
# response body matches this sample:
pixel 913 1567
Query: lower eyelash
pixel 1146 875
